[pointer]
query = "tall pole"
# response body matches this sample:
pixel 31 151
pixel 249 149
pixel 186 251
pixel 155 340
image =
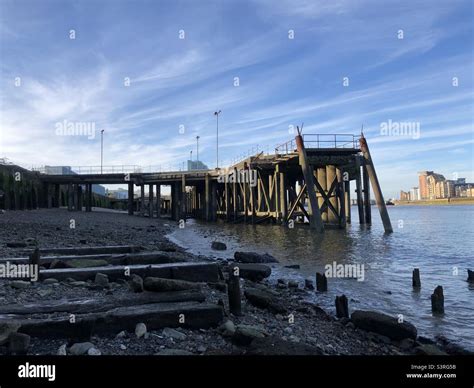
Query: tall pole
pixel 101 150
pixel 197 148
pixel 217 138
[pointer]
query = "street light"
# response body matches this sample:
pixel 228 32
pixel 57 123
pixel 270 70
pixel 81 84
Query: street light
pixel 197 148
pixel 217 138
pixel 101 150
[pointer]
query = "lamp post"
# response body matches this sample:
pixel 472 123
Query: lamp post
pixel 197 148
pixel 216 113
pixel 101 150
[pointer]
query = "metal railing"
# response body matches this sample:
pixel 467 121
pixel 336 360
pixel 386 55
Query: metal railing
pixel 320 141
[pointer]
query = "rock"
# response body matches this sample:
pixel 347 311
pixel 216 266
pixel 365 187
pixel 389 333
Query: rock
pixel 123 347
pixel 45 292
pixel 16 244
pixel 218 246
pixel 50 281
pixel 80 348
pixel 94 352
pixel 281 281
pixel 273 346
pixel 281 286
pixel 62 350
pixel 56 264
pixel 245 334
pixel 406 344
pixel 18 343
pixel 253 272
pixel 136 283
pixel 308 284
pixel 252 257
pixel 122 334
pixel 201 349
pixel 160 284
pixel 20 284
pixel 293 284
pixel 265 300
pixel 173 352
pixel 79 283
pixel 140 330
pixel 227 329
pixel 175 334
pixel 429 350
pixel 383 324
pixel 470 276
pixel 101 280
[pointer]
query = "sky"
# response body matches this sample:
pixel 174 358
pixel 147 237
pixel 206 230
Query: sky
pixel 151 74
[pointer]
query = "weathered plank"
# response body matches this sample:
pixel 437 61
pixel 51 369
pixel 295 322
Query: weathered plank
pixel 156 316
pixel 91 305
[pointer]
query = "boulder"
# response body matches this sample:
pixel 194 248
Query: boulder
pixel 94 352
pixel 383 324
pixel 253 257
pixel 245 334
pixel 101 280
pixel 62 350
pixel 218 246
pixel 265 300
pixel 140 330
pixel 80 348
pixel 253 272
pixel 227 329
pixel 18 343
pixel 20 284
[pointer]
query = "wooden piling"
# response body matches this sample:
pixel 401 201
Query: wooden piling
pixel 331 180
pixel 321 282
pixel 142 199
pixel 283 196
pixel 130 198
pixel 233 291
pixel 416 282
pixel 322 181
pixel 375 185
pixel 70 197
pixel 342 307
pixel 367 204
pixel 158 200
pixel 347 200
pixel 341 198
pixel 315 221
pixel 470 276
pixel 360 201
pixel 207 195
pixel 437 301
pixel 150 201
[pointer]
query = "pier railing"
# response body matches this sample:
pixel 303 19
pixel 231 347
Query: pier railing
pixel 320 141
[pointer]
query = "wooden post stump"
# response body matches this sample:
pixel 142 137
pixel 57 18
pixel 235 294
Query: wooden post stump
pixel 321 282
pixel 342 307
pixel 470 276
pixel 233 291
pixel 437 301
pixel 416 278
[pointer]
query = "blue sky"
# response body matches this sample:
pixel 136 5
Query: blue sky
pixel 426 78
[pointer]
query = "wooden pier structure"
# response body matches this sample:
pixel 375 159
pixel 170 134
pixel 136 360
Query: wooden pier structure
pixel 306 180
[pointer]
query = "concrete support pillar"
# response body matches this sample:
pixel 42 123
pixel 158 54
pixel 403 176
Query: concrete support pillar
pixel 150 201
pixel 142 199
pixel 158 201
pixel 70 197
pixel 57 195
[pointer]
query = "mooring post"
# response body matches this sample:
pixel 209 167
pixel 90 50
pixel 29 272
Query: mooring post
pixel 233 291
pixel 367 204
pixel 315 221
pixel 321 282
pixel 207 200
pixel 375 185
pixel 342 307
pixel 360 201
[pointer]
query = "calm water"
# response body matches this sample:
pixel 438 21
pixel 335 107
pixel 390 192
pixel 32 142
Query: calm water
pixel 436 239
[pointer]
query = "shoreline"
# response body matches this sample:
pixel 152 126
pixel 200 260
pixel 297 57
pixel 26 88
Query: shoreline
pixel 437 202
pixel 311 330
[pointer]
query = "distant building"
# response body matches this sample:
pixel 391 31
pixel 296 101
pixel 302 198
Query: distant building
pixel 415 194
pixel 196 165
pixel 423 183
pixel 66 170
pixel 404 196
pixel 118 194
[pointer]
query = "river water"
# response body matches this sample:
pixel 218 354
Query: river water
pixel 439 240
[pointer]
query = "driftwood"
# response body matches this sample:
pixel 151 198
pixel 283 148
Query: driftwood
pixel 91 250
pixel 156 316
pixel 91 305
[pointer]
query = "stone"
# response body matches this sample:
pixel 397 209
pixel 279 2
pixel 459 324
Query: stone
pixel 140 330
pixel 62 350
pixel 227 329
pixel 172 333
pixel 265 300
pixel 245 334
pixel 80 348
pixel 20 284
pixel 50 281
pixel 94 352
pixel 308 284
pixel 293 284
pixel 383 324
pixel 45 292
pixel 123 347
pixel 55 264
pixel 79 283
pixel 136 283
pixel 122 334
pixel 429 350
pixel 253 272
pixel 406 344
pixel 18 343
pixel 253 257
pixel 201 349
pixel 218 246
pixel 101 280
